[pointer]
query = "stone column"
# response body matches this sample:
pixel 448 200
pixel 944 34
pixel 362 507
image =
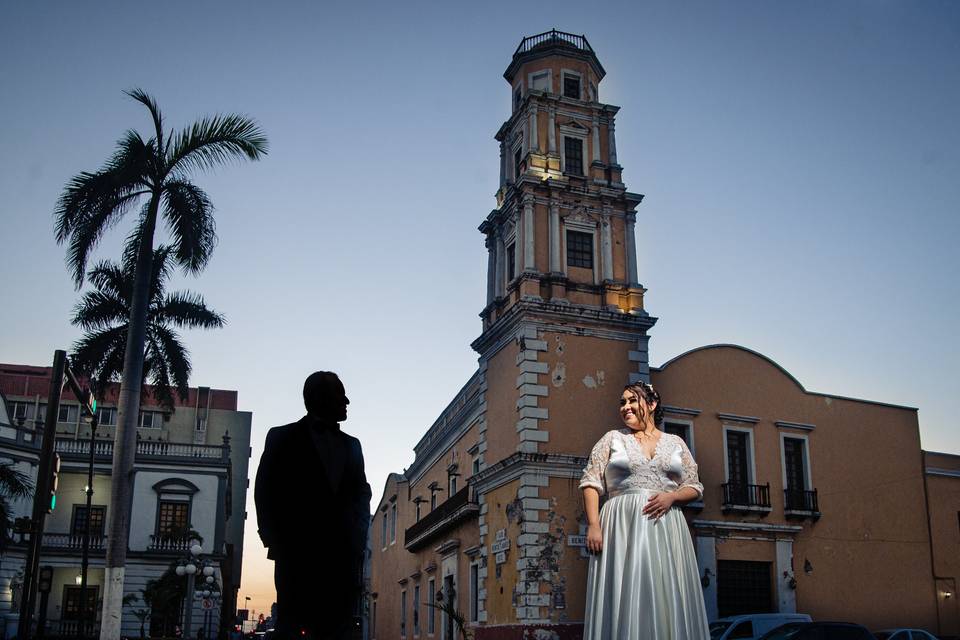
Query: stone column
pixel 552 130
pixel 596 138
pixel 499 285
pixel 606 244
pixel 491 268
pixel 555 264
pixel 503 163
pixel 631 245
pixel 534 133
pixel 529 257
pixel 611 130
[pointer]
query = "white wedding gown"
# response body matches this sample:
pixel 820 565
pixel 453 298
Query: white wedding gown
pixel 644 585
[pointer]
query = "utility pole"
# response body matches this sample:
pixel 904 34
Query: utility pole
pixel 41 498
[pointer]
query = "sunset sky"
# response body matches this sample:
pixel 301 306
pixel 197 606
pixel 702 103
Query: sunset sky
pixel 800 162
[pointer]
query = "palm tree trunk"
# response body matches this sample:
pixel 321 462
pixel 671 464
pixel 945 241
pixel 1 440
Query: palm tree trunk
pixel 125 441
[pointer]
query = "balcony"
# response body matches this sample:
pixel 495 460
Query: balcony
pixel 69 448
pixel 748 498
pixel 72 542
pixel 446 516
pixel 168 544
pixel 801 503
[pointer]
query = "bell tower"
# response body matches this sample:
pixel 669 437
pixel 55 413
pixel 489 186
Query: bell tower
pixel 561 240
pixel 564 329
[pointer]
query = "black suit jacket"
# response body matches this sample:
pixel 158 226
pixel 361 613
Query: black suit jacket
pixel 299 514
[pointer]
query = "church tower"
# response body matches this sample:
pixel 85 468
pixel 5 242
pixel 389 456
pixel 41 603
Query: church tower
pixel 564 329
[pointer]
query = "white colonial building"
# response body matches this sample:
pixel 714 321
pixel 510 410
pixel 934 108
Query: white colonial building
pixel 190 474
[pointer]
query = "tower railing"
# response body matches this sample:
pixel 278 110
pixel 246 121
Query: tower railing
pixel 553 37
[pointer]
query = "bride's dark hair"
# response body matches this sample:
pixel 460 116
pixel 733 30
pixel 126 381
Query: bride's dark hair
pixel 649 394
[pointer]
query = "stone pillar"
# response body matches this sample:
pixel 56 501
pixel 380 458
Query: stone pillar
pixel 631 247
pixel 499 285
pixel 707 566
pixel 596 138
pixel 606 244
pixel 552 130
pixel 491 268
pixel 529 255
pixel 786 597
pixel 555 264
pixel 503 163
pixel 534 133
pixel 611 130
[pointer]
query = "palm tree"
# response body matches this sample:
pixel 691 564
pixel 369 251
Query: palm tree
pixel 104 315
pixel 151 174
pixel 13 484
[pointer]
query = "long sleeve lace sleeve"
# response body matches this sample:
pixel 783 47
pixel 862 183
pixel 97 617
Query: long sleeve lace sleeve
pixel 689 476
pixel 597 464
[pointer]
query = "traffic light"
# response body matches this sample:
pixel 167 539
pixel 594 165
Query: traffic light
pixel 54 482
pixel 89 402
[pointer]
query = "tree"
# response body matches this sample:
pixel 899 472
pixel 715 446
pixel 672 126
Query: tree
pixel 104 315
pixel 13 484
pixel 153 175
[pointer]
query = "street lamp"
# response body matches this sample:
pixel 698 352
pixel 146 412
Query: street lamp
pixel 188 567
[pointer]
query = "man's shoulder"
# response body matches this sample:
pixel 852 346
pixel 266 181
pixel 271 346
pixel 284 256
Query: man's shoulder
pixel 282 432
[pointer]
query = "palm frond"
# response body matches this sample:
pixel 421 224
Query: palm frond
pixel 187 309
pixel 109 277
pixel 156 369
pixel 163 265
pixel 214 140
pixel 14 483
pixel 189 212
pixel 99 353
pixel 176 358
pixel 147 100
pixel 99 310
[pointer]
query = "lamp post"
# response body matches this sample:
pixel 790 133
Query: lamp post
pixel 94 421
pixel 189 566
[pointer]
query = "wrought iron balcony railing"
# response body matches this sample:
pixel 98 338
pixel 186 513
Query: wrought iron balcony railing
pixel 750 497
pixel 447 515
pixel 553 37
pixel 801 502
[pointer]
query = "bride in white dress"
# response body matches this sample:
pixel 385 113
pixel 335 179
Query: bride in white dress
pixel 643 582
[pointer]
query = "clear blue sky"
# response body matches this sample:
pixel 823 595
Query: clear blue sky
pixel 800 160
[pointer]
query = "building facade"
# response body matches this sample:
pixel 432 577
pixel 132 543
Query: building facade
pixel 190 474
pixel 813 502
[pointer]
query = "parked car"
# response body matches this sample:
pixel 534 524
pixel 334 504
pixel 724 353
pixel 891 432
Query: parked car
pixel 751 626
pixel 819 631
pixel 904 634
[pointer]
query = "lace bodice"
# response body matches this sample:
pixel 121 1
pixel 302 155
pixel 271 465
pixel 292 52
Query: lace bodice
pixel 617 463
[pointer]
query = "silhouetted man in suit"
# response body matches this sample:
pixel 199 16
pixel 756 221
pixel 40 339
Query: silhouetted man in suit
pixel 313 511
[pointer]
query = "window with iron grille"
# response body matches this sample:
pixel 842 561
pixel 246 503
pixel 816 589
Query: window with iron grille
pixel 431 606
pixel 580 249
pixel 573 156
pixel 73 598
pixel 571 86
pixel 517 159
pixel 403 614
pixel 793 454
pixel 173 517
pixel 743 587
pixel 416 610
pixel 511 261
pixel 79 523
pixel 474 592
pixel 517 98
pixel 738 471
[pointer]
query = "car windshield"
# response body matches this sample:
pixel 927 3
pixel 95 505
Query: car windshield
pixel 784 631
pixel 717 628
